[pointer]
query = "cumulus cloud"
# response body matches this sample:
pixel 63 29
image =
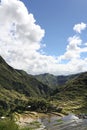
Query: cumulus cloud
pixel 73 48
pixel 79 27
pixel 19 35
pixel 20 43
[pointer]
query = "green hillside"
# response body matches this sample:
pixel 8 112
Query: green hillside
pixel 73 95
pixel 20 81
pixel 54 81
pixel 16 86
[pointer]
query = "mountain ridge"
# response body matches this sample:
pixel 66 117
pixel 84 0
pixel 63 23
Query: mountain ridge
pixel 54 81
pixel 18 78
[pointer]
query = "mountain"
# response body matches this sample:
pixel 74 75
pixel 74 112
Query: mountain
pixel 73 95
pixel 16 88
pixel 47 79
pixel 69 92
pixel 20 81
pixel 77 87
pixel 54 81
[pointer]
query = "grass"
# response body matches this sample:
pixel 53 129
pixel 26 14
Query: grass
pixel 8 124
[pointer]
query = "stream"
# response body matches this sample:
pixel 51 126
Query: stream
pixel 70 122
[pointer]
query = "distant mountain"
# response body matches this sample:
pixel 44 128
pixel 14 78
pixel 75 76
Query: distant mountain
pixel 48 79
pixel 54 81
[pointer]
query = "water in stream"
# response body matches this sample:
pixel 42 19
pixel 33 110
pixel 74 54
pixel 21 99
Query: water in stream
pixel 69 122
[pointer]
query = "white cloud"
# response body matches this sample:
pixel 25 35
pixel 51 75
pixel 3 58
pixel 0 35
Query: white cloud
pixel 73 48
pixel 20 43
pixel 19 35
pixel 79 27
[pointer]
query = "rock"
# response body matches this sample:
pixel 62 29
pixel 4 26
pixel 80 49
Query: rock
pixel 70 117
pixel 2 117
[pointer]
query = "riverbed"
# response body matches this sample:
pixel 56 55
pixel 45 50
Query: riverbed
pixel 38 121
pixel 57 123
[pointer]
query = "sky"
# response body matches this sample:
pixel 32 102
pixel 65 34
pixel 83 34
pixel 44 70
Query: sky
pixel 48 36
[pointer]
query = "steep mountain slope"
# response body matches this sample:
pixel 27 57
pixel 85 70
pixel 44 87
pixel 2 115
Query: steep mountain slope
pixel 20 81
pixel 16 88
pixel 74 93
pixel 77 87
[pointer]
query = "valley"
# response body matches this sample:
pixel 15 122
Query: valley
pixel 45 93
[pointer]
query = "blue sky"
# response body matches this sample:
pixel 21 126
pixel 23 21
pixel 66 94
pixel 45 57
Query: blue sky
pixel 57 17
pixel 48 36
